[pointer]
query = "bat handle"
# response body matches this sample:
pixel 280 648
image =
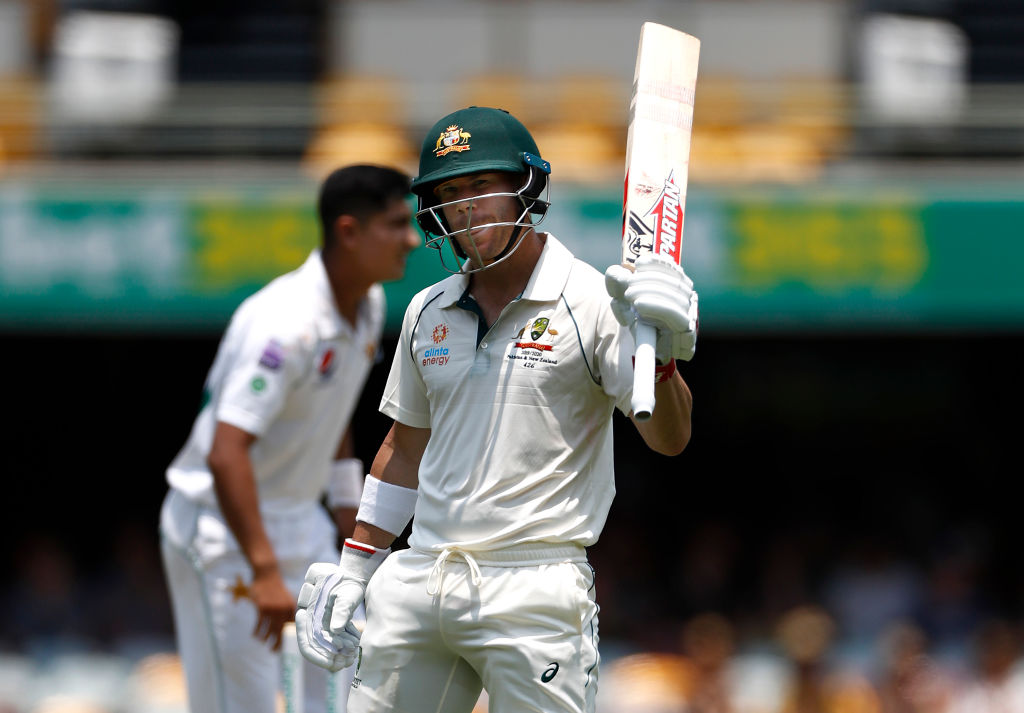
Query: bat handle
pixel 643 371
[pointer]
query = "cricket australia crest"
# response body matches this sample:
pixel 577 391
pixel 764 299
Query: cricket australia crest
pixel 534 346
pixel 454 138
pixel 537 329
pixel 539 326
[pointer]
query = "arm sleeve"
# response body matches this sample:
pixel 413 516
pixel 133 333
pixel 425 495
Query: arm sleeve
pixel 614 360
pixel 258 375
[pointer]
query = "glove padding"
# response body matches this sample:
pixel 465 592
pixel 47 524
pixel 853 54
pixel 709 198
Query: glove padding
pixel 317 598
pixel 327 601
pixel 659 293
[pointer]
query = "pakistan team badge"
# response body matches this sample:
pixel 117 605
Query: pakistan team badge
pixel 538 327
pixel 258 384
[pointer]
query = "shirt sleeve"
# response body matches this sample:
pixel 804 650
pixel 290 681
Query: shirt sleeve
pixel 258 374
pixel 405 394
pixel 614 359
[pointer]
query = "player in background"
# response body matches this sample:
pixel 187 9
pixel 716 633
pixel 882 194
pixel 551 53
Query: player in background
pixel 502 391
pixel 243 518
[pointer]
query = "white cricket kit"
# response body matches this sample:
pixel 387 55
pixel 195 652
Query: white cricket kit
pixel 521 434
pixel 289 370
pixel 516 480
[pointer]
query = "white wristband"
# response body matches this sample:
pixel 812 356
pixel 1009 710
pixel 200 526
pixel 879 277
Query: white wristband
pixel 346 484
pixel 359 560
pixel 389 507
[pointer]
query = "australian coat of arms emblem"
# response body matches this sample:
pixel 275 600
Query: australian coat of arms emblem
pixel 454 138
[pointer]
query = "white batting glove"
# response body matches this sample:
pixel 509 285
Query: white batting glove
pixel 315 640
pixel 328 599
pixel 659 293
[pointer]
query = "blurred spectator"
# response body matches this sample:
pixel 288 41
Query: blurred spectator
pixel 157 685
pixel 646 683
pixel 709 641
pixel 758 682
pixel 627 590
pixel 80 683
pixel 44 615
pixel 911 680
pixel 867 593
pixel 784 576
pixel 806 635
pixel 706 569
pixel 130 608
pixel 15 673
pixel 953 606
pixel 997 683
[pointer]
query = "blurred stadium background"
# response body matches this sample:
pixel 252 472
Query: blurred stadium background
pixel 842 533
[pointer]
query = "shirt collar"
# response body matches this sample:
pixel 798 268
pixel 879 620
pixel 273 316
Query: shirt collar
pixel 329 322
pixel 551 273
pixel 549 277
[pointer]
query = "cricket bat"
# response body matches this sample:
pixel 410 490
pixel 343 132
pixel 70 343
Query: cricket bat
pixel 292 679
pixel 657 164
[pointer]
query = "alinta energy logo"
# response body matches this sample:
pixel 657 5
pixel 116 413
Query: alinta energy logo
pixel 437 356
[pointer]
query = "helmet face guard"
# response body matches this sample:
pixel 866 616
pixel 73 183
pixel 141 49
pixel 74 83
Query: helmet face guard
pixel 478 140
pixel 431 219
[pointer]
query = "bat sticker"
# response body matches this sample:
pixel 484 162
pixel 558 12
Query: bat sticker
pixel 663 236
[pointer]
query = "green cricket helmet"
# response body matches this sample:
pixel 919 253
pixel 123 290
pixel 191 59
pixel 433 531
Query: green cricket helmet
pixel 475 140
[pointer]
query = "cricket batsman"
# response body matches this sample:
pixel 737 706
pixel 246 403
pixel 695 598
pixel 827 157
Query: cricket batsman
pixel 502 390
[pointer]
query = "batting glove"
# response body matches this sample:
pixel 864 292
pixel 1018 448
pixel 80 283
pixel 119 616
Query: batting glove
pixel 315 640
pixel 659 293
pixel 327 601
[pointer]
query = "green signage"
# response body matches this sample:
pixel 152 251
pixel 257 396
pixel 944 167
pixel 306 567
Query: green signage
pixel 181 257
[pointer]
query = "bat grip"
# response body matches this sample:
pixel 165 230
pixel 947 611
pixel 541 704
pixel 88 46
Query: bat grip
pixel 643 371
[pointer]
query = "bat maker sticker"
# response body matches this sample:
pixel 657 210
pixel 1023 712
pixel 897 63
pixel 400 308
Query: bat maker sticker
pixel 663 235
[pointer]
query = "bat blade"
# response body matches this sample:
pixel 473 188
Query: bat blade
pixel 657 167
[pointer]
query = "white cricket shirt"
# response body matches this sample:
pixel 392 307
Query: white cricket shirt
pixel 520 416
pixel 289 369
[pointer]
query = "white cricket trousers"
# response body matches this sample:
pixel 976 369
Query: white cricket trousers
pixel 227 669
pixel 520 623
